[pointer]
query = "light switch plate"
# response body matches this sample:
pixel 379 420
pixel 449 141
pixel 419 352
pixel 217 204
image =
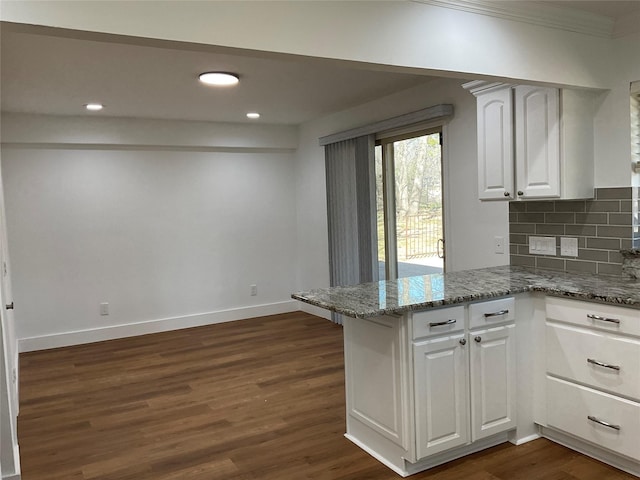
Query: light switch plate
pixel 568 246
pixel 542 245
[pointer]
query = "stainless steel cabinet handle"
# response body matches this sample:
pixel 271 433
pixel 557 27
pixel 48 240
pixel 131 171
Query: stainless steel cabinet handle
pixel 496 314
pixel 463 341
pixel 602 364
pixel 9 306
pixel 507 194
pixel 478 339
pixel 602 319
pixel 610 425
pixel 439 324
pixel 520 192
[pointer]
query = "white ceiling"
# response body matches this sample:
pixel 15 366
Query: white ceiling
pixel 55 75
pixel 42 73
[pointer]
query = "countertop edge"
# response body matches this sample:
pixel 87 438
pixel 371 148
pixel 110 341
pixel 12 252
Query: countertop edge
pixel 591 288
pixel 413 307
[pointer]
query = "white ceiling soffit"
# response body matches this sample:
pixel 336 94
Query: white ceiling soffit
pixel 560 15
pixel 57 75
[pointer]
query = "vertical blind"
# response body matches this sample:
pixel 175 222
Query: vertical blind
pixel 635 122
pixel 351 212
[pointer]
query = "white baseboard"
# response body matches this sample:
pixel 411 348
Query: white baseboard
pixel 12 477
pixel 374 454
pixel 521 441
pixel 79 337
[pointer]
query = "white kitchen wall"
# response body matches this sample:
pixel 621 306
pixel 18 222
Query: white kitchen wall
pixel 472 224
pixel 168 237
pixel 613 131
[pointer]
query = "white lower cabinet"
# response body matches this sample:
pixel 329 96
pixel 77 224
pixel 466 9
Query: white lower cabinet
pixel 442 394
pixel 592 378
pixel 431 386
pixel 465 384
pixel 375 377
pixel 493 381
pixel 605 420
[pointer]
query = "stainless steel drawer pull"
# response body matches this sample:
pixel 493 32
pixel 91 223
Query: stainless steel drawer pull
pixel 496 314
pixel 602 364
pixel 602 319
pixel 610 425
pixel 439 324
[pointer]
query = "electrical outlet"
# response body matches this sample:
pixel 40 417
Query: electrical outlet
pixel 498 244
pixel 104 309
pixel 14 376
pixel 254 290
pixel 568 246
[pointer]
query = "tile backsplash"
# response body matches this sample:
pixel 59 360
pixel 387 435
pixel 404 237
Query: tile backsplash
pixel 603 227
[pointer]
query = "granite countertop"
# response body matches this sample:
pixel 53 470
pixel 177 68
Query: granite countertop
pixel 417 293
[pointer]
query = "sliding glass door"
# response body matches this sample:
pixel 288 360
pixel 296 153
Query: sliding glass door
pixel 409 204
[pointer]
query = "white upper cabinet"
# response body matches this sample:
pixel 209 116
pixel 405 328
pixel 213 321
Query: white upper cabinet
pixel 495 144
pixel 533 142
pixel 537 145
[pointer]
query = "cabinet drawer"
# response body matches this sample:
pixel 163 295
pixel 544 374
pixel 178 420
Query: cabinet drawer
pixel 435 322
pixel 595 315
pixel 600 359
pixel 483 314
pixel 569 407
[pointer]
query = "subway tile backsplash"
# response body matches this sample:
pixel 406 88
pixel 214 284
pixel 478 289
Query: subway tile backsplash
pixel 603 227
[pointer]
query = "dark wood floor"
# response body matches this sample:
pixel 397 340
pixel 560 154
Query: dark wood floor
pixel 254 399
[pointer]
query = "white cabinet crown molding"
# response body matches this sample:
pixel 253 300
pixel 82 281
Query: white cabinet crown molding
pixel 535 13
pixel 483 86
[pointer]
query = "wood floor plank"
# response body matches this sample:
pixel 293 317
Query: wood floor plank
pixel 247 400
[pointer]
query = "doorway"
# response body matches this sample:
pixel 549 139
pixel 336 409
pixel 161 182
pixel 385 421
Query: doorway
pixel 409 204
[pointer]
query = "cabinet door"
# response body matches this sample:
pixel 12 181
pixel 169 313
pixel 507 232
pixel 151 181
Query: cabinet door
pixel 495 144
pixel 493 381
pixel 537 140
pixel 441 394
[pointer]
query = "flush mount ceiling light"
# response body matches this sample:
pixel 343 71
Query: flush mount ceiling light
pixel 94 107
pixel 253 115
pixel 220 79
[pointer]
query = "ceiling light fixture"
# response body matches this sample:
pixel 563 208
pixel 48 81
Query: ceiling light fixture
pixel 253 115
pixel 94 107
pixel 220 79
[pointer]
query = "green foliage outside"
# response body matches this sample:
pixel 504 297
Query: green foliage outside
pixel 418 196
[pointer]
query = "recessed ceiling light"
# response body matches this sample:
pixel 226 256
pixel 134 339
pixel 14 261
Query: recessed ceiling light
pixel 219 78
pixel 253 115
pixel 94 107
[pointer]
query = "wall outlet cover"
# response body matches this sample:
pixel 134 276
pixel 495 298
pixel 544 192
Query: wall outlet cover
pixel 568 247
pixel 542 245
